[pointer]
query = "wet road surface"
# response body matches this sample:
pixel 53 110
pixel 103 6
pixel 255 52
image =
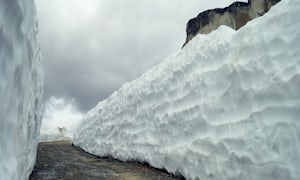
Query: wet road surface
pixel 61 160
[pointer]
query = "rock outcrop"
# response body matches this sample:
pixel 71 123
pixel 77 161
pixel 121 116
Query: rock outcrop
pixel 234 16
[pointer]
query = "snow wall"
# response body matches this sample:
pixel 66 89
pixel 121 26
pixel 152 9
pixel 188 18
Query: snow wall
pixel 21 88
pixel 227 106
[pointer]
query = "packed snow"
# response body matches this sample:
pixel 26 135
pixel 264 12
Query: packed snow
pixel 59 119
pixel 21 88
pixel 227 106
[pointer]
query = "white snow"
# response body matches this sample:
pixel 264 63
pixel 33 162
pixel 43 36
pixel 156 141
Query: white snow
pixel 227 106
pixel 21 88
pixel 59 119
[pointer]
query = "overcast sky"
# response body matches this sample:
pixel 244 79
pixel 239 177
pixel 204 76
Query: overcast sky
pixel 91 47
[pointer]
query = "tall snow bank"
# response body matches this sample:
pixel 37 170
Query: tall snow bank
pixel 225 107
pixel 59 119
pixel 21 87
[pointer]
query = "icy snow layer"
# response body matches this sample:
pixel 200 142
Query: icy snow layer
pixel 59 120
pixel 225 107
pixel 21 83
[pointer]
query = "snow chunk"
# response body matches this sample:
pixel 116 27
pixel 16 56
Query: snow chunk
pixel 227 106
pixel 21 88
pixel 59 119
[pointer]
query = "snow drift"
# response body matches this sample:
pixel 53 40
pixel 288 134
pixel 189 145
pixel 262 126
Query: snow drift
pixel 227 106
pixel 21 87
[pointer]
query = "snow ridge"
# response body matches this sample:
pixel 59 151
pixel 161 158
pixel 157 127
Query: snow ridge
pixel 227 106
pixel 21 88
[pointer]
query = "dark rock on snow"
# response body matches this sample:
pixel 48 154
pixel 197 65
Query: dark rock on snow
pixel 235 16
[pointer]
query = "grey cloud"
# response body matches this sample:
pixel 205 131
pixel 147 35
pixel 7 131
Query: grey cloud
pixel 91 48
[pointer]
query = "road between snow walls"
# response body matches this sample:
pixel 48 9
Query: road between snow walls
pixel 227 106
pixel 61 160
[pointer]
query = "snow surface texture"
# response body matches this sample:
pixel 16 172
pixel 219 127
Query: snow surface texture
pixel 21 88
pixel 59 120
pixel 227 106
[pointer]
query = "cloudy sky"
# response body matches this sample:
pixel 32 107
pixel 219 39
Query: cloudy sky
pixel 91 47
